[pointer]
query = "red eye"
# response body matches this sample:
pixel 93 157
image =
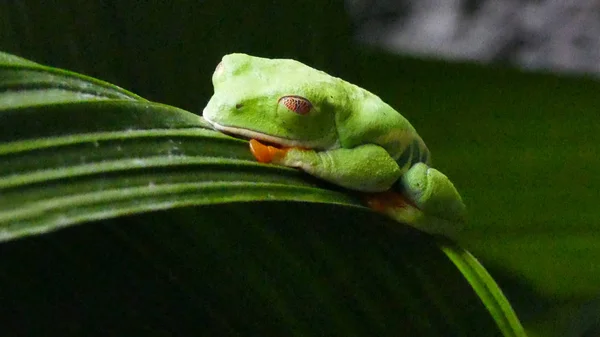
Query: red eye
pixel 297 104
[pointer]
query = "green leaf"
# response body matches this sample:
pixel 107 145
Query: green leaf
pixel 485 287
pixel 252 246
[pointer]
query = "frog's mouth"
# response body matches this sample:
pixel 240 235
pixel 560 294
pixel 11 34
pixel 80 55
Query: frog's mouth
pixel 275 141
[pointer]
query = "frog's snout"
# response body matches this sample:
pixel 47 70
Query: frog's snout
pixel 216 109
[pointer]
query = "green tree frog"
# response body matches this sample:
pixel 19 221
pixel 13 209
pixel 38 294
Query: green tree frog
pixel 300 117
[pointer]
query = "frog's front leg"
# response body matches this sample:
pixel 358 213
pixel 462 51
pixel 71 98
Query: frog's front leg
pixel 366 168
pixel 423 197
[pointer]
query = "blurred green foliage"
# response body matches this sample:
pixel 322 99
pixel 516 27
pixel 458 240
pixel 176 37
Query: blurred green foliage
pixel 522 148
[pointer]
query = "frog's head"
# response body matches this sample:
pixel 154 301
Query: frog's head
pixel 279 101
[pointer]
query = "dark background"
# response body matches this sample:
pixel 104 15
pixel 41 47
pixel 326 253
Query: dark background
pixel 521 147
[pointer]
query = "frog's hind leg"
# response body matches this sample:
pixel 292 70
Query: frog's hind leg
pixel 423 198
pixel 435 195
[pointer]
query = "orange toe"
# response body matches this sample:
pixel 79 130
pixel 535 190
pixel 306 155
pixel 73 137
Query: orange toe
pixel 265 153
pixel 382 201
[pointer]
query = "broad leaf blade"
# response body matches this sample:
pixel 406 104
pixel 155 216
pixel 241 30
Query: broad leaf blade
pixel 26 83
pixel 70 158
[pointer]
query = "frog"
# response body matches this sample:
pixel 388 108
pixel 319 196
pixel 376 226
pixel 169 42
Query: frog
pixel 299 117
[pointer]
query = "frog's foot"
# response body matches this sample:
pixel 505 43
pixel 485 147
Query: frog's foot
pixel 267 153
pixel 400 208
pixel 394 205
pixel 380 201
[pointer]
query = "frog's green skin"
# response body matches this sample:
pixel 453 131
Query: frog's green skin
pixel 357 141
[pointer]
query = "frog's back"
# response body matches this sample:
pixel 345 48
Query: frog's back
pixel 388 128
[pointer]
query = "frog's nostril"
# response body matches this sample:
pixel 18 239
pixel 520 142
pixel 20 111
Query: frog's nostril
pixel 239 106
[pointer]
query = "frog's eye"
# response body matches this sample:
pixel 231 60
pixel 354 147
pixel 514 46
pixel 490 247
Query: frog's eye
pixel 297 104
